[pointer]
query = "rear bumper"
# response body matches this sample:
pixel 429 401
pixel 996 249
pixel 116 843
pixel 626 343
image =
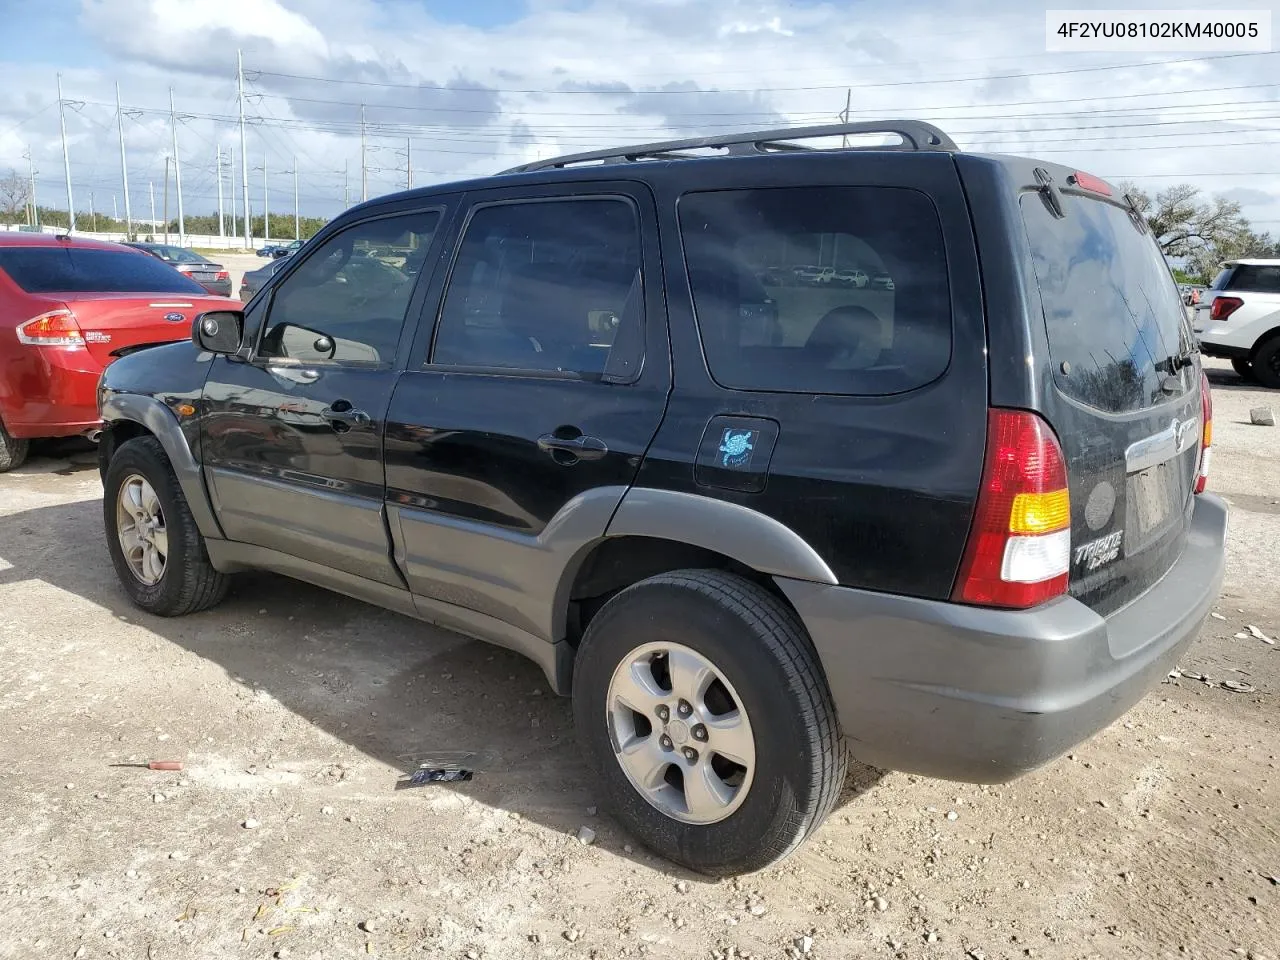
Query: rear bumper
pixel 1224 352
pixel 977 695
pixel 219 288
pixel 55 395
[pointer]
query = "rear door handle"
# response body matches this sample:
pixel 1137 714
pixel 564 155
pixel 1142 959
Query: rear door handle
pixel 342 416
pixel 580 447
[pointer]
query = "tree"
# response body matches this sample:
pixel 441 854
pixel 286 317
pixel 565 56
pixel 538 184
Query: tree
pixel 1182 223
pixel 15 196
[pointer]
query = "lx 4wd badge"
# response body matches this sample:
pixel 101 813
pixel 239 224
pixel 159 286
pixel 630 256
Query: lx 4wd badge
pixel 1098 552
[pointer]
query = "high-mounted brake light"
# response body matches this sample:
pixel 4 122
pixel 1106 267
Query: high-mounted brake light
pixel 1087 181
pixel 57 328
pixel 1224 307
pixel 1019 548
pixel 1206 438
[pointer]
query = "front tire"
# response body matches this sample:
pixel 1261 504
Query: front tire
pixel 1244 368
pixel 13 452
pixel 705 715
pixel 155 546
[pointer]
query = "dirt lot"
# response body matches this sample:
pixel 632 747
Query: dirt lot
pixel 291 708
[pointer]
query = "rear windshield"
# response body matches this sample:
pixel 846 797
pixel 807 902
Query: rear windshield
pixel 1111 307
pixel 835 290
pixel 82 270
pixel 176 254
pixel 1255 277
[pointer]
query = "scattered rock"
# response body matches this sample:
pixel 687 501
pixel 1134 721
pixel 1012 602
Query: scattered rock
pixel 158 798
pixel 327 811
pixel 571 935
pixel 1102 803
pixel 179 855
pixel 251 824
pixel 1242 636
pixel 682 887
pixel 881 904
pixel 1217 616
pixel 627 848
pixel 805 945
pixel 71 786
pixel 1259 635
pixel 368 926
pixel 757 910
pixel 591 811
pixel 1262 417
pixel 952 815
pixel 586 836
pixel 472 955
pixel 931 937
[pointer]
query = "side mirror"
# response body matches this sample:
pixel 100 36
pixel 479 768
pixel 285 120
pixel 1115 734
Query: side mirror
pixel 218 331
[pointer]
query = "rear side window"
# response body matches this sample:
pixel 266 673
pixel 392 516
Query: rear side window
pixel 1256 278
pixel 80 270
pixel 1111 308
pixel 833 290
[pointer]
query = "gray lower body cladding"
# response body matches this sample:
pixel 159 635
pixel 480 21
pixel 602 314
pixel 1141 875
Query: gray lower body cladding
pixel 979 695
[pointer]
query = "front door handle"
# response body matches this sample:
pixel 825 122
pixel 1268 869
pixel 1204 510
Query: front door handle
pixel 342 416
pixel 580 447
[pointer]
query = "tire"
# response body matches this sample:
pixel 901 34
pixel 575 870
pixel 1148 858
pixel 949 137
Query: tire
pixel 13 452
pixel 1243 367
pixel 755 644
pixel 187 581
pixel 1266 364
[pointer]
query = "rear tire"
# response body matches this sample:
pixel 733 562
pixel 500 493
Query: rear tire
pixel 764 675
pixel 13 452
pixel 1243 367
pixel 183 580
pixel 1266 364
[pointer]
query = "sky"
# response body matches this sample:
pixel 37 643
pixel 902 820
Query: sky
pixel 472 87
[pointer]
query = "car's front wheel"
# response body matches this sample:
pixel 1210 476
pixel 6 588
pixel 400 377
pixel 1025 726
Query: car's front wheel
pixel 158 552
pixel 13 452
pixel 702 707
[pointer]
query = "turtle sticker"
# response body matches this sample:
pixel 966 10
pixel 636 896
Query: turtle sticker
pixel 736 447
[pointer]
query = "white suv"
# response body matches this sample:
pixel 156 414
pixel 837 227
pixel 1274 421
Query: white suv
pixel 1238 319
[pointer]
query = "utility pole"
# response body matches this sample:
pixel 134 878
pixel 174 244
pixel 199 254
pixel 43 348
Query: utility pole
pixel 408 163
pixel 297 221
pixel 66 157
pixel 93 217
pixel 222 226
pixel 33 213
pixel 231 167
pixel 151 189
pixel 115 211
pixel 166 199
pixel 124 166
pixel 177 177
pixel 848 103
pixel 364 165
pixel 346 194
pixel 244 152
pixel 266 217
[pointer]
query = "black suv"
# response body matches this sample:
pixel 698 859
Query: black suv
pixel 583 410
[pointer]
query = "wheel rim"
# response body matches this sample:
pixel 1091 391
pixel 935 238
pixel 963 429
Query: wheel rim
pixel 680 733
pixel 140 527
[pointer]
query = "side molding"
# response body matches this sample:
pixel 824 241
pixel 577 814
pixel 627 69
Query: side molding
pixel 159 419
pixel 746 535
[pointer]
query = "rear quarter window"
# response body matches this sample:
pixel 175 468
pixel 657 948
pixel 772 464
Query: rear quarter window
pixel 827 290
pixel 1112 313
pixel 1255 278
pixel 83 270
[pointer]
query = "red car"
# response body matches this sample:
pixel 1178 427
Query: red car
pixel 68 307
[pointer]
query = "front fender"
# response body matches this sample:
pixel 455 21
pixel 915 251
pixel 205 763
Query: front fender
pixel 162 423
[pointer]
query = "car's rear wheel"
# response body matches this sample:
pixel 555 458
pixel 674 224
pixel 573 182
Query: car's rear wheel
pixel 155 546
pixel 13 452
pixel 1266 364
pixel 1243 367
pixel 701 705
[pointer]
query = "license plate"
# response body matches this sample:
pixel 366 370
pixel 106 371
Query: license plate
pixel 1150 492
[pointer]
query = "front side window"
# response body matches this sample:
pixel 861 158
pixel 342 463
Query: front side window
pixel 833 290
pixel 543 286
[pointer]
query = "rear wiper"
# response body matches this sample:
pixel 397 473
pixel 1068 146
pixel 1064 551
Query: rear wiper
pixel 1181 360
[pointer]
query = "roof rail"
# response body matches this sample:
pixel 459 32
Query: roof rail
pixel 915 134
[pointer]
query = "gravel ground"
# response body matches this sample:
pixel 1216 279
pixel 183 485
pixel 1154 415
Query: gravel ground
pixel 293 710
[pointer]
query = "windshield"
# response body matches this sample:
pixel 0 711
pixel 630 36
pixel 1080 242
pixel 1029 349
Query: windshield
pixel 84 270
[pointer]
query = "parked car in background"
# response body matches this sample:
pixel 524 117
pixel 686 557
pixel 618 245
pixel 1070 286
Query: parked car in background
pixel 951 530
pixel 882 281
pixel 813 274
pixel 214 277
pixel 255 280
pixel 68 308
pixel 268 250
pixel 286 251
pixel 1238 319
pixel 850 278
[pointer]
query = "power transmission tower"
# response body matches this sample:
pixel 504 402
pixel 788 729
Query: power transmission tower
pixel 124 166
pixel 244 152
pixel 266 216
pixel 166 200
pixel 297 221
pixel 231 169
pixel 346 193
pixel 177 176
pixel 66 157
pixel 408 163
pixel 844 114
pixel 151 189
pixel 222 226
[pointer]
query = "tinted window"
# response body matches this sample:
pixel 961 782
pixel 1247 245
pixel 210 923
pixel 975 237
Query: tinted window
pixel 543 286
pixel 1255 277
pixel 1220 280
pixel 347 301
pixel 1111 307
pixel 81 270
pixel 839 290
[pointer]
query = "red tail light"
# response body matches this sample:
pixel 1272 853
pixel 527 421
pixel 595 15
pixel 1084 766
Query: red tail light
pixel 57 328
pixel 1087 181
pixel 1019 548
pixel 222 275
pixel 1224 307
pixel 1206 438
